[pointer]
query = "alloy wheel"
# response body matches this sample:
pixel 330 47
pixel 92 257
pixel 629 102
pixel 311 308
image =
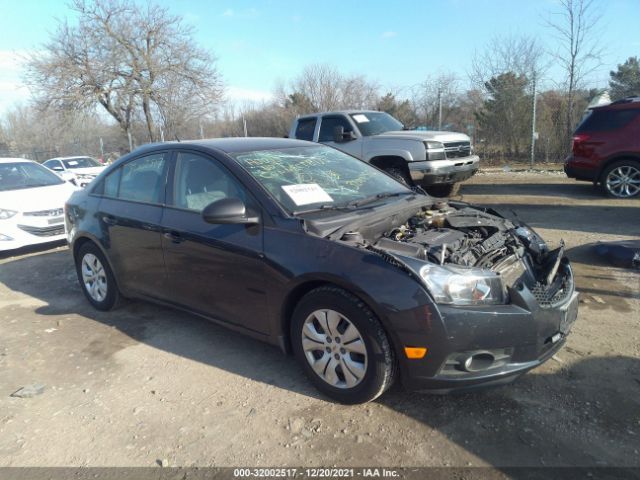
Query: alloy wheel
pixel 623 181
pixel 94 277
pixel 334 348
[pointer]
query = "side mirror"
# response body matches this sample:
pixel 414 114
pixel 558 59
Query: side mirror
pixel 339 135
pixel 57 169
pixel 228 210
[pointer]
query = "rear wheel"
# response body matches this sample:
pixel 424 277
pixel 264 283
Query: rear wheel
pixel 96 278
pixel 342 346
pixel 445 190
pixel 622 179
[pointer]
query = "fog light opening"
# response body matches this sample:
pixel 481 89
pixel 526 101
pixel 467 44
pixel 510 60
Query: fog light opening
pixel 478 361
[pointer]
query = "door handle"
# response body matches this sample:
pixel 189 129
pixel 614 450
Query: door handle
pixel 175 237
pixel 109 220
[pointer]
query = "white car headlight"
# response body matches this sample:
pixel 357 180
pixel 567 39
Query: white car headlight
pixel 463 286
pixel 4 214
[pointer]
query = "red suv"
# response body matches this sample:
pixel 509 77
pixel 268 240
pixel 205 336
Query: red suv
pixel 606 148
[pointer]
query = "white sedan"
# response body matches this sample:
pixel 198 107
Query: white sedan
pixel 32 202
pixel 78 170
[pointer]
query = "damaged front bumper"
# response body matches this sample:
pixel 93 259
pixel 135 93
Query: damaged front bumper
pixel 443 171
pixel 493 345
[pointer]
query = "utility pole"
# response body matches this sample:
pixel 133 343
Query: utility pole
pixel 161 134
pixel 201 131
pixel 439 108
pixel 101 149
pixel 244 125
pixel 130 141
pixel 534 134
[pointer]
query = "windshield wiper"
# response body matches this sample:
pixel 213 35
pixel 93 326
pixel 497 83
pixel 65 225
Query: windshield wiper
pixel 374 198
pixel 354 204
pixel 321 208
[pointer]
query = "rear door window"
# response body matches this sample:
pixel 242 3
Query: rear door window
pixel 605 120
pixel 140 180
pixel 143 179
pixel 305 129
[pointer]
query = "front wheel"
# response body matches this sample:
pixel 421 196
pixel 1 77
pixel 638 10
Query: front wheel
pixel 400 175
pixel 342 346
pixel 446 190
pixel 96 278
pixel 622 179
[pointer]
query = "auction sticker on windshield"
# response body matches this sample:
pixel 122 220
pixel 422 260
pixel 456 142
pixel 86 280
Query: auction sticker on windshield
pixel 360 118
pixel 306 193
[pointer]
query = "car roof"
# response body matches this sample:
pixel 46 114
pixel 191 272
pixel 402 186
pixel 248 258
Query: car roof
pixel 233 144
pixel 629 103
pixel 340 112
pixel 15 160
pixel 69 158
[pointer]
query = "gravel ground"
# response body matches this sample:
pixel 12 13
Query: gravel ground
pixel 145 385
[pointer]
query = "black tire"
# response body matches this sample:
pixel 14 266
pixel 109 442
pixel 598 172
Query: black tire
pixel 446 190
pixel 634 166
pixel 399 175
pixel 112 297
pixel 380 372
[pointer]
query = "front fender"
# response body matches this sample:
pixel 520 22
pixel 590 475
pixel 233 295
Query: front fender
pixel 404 154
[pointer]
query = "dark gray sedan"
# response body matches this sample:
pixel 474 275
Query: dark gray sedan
pixel 300 245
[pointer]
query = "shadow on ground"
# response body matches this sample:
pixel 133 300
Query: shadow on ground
pixel 578 190
pixel 611 220
pixel 587 414
pixel 41 248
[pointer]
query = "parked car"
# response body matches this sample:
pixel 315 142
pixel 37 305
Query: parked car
pixel 313 250
pixel 434 160
pixel 31 204
pixel 77 170
pixel 606 149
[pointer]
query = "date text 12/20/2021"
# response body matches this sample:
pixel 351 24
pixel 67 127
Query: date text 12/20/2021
pixel 315 473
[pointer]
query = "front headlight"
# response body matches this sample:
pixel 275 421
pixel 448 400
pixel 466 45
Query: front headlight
pixel 4 214
pixel 435 150
pixel 463 286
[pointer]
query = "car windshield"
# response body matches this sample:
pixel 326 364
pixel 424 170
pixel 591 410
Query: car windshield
pixel 308 178
pixel 21 175
pixel 375 123
pixel 81 162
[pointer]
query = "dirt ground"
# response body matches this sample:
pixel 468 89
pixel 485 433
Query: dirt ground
pixel 145 384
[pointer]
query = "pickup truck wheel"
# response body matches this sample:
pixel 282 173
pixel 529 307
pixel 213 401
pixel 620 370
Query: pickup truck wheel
pixel 342 346
pixel 447 190
pixel 399 175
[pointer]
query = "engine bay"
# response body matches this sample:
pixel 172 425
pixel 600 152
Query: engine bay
pixel 457 234
pixel 445 235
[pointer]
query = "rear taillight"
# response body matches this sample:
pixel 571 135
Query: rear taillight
pixel 577 143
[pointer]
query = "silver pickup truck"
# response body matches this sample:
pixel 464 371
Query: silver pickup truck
pixel 434 160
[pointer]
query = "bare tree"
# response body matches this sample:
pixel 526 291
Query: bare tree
pixel 437 98
pixel 124 57
pixel 575 25
pixel 522 55
pixel 42 134
pixel 327 89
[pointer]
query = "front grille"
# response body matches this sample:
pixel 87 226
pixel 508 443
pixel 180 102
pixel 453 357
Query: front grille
pixel 548 297
pixel 457 149
pixel 43 231
pixel 55 212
